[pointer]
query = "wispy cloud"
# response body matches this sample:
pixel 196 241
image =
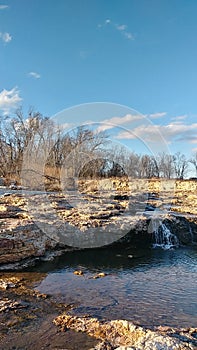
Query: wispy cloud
pixel 157 115
pixel 9 100
pixel 118 121
pixel 129 119
pixel 128 35
pixel 122 28
pixel 3 7
pixel 172 132
pixel 6 37
pixel 34 75
pixel 179 118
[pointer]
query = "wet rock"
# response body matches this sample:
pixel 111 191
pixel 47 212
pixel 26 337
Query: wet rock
pixel 78 273
pixel 7 304
pixel 6 284
pixel 99 275
pixel 2 181
pixel 104 345
pixel 7 194
pixel 181 227
pixel 22 241
pixel 41 295
pixel 122 197
pixel 121 334
pixel 150 207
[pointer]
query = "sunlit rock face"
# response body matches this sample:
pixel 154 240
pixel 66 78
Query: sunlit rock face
pixel 124 335
pixel 99 213
pixel 22 240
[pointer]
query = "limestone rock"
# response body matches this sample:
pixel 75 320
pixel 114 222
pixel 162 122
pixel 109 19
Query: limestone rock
pixel 111 208
pixel 122 334
pixel 6 305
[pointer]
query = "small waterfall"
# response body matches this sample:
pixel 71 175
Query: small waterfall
pixel 191 233
pixel 162 236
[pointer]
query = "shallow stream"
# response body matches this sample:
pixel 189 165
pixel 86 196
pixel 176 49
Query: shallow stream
pixel 148 286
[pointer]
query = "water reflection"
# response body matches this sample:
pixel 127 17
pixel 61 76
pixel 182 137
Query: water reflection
pixel 150 287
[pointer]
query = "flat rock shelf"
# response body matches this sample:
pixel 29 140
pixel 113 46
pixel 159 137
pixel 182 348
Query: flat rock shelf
pixel 108 265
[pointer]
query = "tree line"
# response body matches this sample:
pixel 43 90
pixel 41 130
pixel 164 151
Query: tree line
pixel 83 152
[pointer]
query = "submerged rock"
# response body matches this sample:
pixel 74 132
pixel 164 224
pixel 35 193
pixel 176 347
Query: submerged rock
pixel 78 273
pixel 7 304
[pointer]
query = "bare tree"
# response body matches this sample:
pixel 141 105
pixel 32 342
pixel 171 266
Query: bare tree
pixel 117 156
pixel 81 152
pixel 4 155
pixel 148 167
pixel 79 149
pixel 180 165
pixel 134 165
pixel 193 161
pixel 17 134
pixel 166 165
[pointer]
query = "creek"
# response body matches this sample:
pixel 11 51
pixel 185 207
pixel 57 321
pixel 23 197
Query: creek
pixel 148 286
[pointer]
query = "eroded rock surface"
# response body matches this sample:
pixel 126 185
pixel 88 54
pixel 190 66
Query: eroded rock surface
pixel 122 334
pixel 97 214
pixel 26 316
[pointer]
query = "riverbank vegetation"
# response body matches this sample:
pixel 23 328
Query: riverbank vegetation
pixel 87 153
pixel 111 183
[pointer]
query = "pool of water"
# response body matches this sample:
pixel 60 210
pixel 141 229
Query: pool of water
pixel 148 286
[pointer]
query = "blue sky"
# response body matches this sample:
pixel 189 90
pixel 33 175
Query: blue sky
pixel 138 53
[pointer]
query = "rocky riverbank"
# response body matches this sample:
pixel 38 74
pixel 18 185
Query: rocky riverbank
pixel 31 228
pixel 39 225
pixel 26 316
pixel 124 335
pixel 31 320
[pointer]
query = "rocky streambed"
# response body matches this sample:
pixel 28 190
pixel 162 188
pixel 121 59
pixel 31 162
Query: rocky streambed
pixel 37 226
pixel 26 316
pixel 32 320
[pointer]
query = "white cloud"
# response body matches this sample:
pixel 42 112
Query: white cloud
pixel 128 35
pixel 6 37
pixel 34 75
pixel 193 140
pixel 3 7
pixel 157 115
pixel 9 100
pixel 127 119
pixel 171 133
pixel 107 21
pixel 179 118
pixel 118 121
pixel 122 28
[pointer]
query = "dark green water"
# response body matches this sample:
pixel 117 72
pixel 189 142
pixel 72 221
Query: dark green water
pixel 148 286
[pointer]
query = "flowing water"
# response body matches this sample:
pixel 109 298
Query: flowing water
pixel 151 287
pixel 148 286
pixel 162 236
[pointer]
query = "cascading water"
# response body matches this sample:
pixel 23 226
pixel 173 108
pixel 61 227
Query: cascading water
pixel 191 233
pixel 162 236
